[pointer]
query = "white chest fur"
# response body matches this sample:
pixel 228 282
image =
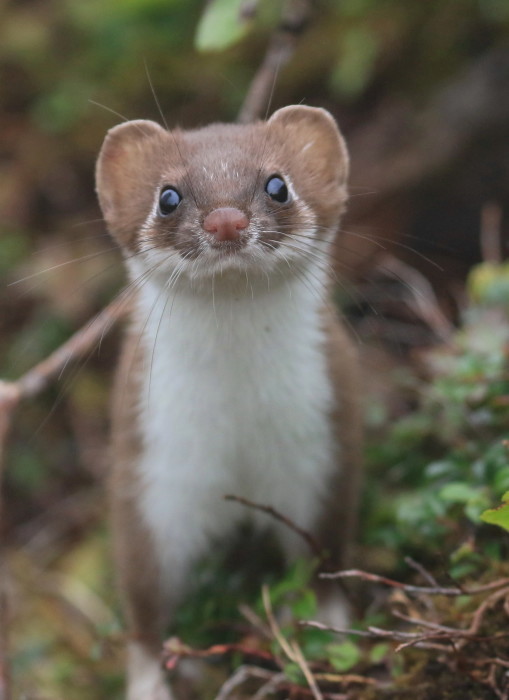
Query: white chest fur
pixel 236 399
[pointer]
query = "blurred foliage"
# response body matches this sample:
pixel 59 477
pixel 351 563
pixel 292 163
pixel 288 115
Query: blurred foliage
pixel 221 25
pixel 446 462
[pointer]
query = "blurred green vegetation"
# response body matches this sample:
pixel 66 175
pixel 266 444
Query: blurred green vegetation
pixel 446 462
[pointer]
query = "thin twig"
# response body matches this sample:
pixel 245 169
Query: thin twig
pixel 40 376
pixel 271 686
pixel 377 633
pixel 255 620
pixel 174 650
pixel 423 572
pixel 428 590
pixel 274 627
pixel 496 661
pixel 241 675
pixel 303 665
pixel 422 298
pixel 295 18
pixel 316 549
pixel 423 623
pixel 491 234
pixel 478 617
pixel 345 679
pixel 337 630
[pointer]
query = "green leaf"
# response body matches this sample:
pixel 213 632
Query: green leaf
pixel 13 248
pixel 297 578
pixel 488 283
pixel 357 61
pixel 343 656
pixel 305 606
pixel 314 643
pixel 498 516
pixel 293 673
pixel 221 25
pixel 379 652
pixel 458 492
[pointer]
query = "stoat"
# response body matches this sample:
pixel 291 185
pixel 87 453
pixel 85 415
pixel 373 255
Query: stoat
pixel 236 376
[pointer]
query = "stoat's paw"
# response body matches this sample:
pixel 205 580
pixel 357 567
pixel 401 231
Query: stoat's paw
pixel 145 678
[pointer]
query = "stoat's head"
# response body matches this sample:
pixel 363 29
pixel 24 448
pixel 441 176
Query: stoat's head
pixel 225 197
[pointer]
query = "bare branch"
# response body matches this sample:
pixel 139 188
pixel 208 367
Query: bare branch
pixel 313 544
pixel 275 683
pixel 274 627
pixel 174 650
pixel 295 18
pixel 429 590
pixel 304 667
pixel 423 572
pixel 491 233
pixel 422 298
pixel 243 674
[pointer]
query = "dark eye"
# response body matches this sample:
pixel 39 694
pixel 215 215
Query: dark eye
pixel 276 188
pixel 169 199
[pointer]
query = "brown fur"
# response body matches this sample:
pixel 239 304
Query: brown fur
pixel 135 563
pixel 339 524
pixel 137 160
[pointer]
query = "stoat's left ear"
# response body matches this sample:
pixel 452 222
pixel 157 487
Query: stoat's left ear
pixel 314 138
pixel 127 170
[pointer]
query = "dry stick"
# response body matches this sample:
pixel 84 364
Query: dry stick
pixel 303 665
pixel 313 544
pixel 424 302
pixel 418 639
pixel 175 650
pixel 491 234
pixel 484 607
pixel 295 18
pixel 429 590
pixel 274 627
pixel 377 633
pixel 291 649
pixel 274 684
pixel 255 620
pixel 243 674
pixel 427 576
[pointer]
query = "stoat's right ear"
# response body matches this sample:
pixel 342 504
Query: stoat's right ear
pixel 126 173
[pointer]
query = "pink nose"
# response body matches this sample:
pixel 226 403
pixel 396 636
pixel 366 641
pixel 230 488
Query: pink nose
pixel 226 223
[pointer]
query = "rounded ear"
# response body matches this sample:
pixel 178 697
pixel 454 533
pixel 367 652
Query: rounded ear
pixel 125 169
pixel 314 137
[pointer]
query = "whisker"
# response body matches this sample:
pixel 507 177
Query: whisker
pixel 109 109
pixel 72 378
pixel 82 258
pixel 154 95
pixel 397 244
pixel 87 223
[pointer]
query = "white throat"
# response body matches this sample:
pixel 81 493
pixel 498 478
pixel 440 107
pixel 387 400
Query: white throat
pixel 236 399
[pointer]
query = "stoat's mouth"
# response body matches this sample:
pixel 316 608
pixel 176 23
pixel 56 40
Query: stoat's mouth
pixel 243 257
pixel 227 248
